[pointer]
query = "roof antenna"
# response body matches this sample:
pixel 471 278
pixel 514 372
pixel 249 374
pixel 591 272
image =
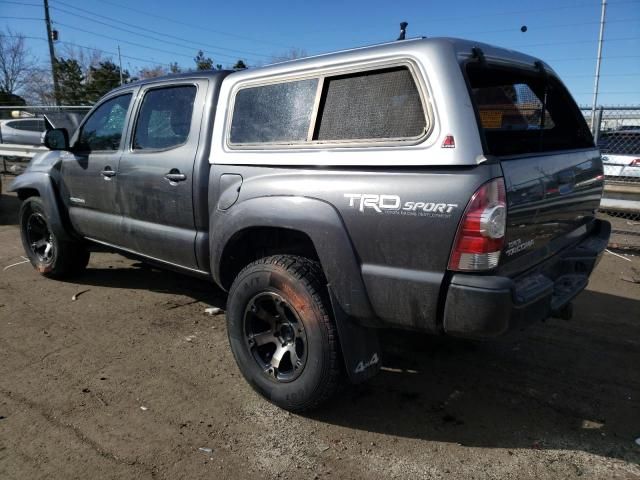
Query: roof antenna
pixel 403 30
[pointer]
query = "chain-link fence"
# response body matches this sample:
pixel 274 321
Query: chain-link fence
pixel 617 133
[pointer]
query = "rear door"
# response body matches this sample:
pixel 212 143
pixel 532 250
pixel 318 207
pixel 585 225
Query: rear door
pixel 155 174
pixel 553 173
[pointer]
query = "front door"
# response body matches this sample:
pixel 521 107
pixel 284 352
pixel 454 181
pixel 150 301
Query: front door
pixel 89 171
pixel 155 174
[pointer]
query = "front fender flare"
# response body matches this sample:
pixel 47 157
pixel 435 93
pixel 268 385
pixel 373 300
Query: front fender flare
pixel 315 218
pixel 44 185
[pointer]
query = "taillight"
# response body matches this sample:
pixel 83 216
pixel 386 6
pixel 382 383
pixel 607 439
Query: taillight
pixel 635 162
pixel 480 235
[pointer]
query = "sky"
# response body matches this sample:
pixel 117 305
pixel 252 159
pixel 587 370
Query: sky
pixel 564 33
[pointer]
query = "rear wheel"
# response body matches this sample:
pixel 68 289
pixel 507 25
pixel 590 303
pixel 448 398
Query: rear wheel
pixel 282 334
pixel 48 255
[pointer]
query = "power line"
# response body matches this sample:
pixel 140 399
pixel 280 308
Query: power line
pixel 448 19
pixel 162 34
pixel 135 44
pixel 609 93
pixel 72 27
pixel 23 18
pixel 172 20
pixel 568 59
pixel 195 47
pixel 546 9
pixel 571 42
pixel 557 25
pixel 266 56
pixel 22 4
pixel 637 74
pixel 106 52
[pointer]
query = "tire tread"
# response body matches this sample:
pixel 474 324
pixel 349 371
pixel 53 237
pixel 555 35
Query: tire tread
pixel 309 273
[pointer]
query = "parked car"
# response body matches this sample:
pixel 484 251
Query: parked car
pixel 621 153
pixel 421 184
pixel 22 131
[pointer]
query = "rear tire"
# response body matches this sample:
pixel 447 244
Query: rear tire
pixel 282 334
pixel 50 256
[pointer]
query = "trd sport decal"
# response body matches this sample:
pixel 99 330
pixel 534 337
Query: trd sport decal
pixel 393 205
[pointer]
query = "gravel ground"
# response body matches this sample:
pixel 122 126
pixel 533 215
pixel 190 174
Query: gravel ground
pixel 133 380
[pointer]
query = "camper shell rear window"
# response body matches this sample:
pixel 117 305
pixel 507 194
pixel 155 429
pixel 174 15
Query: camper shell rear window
pixel 524 111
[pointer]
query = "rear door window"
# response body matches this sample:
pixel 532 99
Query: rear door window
pixel 164 120
pixel 523 111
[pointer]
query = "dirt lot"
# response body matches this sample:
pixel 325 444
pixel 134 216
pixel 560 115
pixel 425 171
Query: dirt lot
pixel 133 378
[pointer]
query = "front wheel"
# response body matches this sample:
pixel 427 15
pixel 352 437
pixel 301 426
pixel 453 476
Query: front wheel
pixel 282 334
pixel 49 256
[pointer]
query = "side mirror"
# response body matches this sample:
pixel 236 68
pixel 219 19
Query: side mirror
pixel 57 139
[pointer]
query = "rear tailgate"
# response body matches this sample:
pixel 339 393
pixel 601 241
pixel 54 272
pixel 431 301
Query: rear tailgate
pixel 551 199
pixel 553 173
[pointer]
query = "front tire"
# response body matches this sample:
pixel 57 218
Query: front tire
pixel 282 333
pixel 50 256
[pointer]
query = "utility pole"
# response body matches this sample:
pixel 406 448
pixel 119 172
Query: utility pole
pixel 598 59
pixel 52 53
pixel 120 62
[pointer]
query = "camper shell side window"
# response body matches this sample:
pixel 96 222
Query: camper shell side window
pixel 355 108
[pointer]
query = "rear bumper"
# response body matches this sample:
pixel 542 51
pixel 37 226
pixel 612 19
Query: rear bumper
pixel 486 306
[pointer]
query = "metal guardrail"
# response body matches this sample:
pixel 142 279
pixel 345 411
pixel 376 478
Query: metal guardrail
pixel 26 111
pixel 22 151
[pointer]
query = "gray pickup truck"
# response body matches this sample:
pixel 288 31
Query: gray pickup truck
pixel 436 185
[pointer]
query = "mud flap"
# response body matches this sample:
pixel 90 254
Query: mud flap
pixel 360 345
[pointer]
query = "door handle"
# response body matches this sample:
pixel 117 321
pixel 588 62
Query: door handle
pixel 175 176
pixel 108 172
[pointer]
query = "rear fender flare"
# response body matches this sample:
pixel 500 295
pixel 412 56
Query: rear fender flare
pixel 315 218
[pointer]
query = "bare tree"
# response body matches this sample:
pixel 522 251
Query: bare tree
pixel 16 62
pixel 290 54
pixel 38 88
